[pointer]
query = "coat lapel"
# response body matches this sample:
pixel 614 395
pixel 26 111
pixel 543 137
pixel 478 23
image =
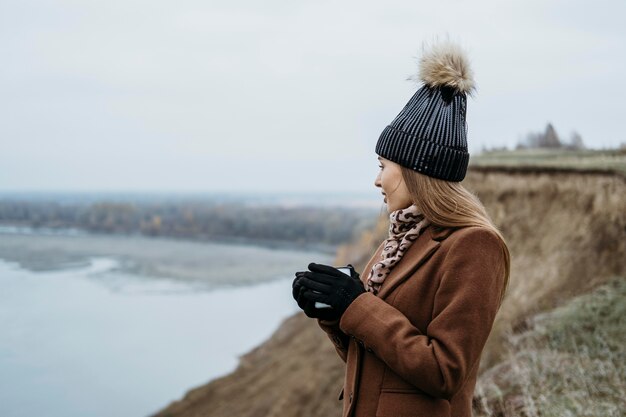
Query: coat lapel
pixel 426 244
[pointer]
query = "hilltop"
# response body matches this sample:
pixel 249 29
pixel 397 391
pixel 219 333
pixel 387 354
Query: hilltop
pixel 554 160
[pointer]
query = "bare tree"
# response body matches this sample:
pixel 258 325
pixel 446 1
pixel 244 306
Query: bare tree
pixel 550 139
pixel 576 141
pixel 546 139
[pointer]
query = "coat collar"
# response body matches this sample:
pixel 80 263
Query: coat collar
pixel 425 245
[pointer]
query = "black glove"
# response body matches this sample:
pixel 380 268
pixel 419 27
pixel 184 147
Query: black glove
pixel 296 285
pixel 308 306
pixel 326 284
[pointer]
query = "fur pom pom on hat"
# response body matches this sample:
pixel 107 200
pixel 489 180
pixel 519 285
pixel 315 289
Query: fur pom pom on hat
pixel 430 133
pixel 445 64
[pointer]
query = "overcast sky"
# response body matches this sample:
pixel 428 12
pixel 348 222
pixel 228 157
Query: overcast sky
pixel 280 95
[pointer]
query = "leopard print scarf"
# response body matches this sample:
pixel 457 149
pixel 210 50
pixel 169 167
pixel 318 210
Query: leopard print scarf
pixel 405 226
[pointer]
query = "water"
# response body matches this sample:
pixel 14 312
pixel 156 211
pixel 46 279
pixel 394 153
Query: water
pixel 94 341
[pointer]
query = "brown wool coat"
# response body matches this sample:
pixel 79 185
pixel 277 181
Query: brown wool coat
pixel 414 349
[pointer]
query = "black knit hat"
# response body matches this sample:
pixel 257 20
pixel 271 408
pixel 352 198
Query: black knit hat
pixel 430 133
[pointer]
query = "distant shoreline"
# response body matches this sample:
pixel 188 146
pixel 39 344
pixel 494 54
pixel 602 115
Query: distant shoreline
pixel 278 227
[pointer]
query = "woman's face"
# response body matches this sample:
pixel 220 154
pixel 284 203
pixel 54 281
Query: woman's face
pixel 392 185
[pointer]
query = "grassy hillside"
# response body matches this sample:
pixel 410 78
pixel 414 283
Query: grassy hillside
pixel 565 231
pixel 566 362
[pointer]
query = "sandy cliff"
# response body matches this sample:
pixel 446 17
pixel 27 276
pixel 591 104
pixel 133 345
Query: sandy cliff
pixel 566 235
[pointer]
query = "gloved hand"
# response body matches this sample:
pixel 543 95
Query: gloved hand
pixel 326 284
pixel 308 306
pixel 296 285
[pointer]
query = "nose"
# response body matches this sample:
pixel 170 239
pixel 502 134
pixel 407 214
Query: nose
pixel 377 182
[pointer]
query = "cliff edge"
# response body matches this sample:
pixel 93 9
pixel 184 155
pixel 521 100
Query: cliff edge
pixel 565 231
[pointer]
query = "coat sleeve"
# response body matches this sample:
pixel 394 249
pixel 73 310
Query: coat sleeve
pixel 339 338
pixel 466 301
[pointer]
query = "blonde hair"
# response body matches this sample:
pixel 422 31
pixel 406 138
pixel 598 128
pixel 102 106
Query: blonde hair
pixel 449 204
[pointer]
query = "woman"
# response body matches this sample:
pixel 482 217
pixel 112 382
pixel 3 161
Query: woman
pixel 411 329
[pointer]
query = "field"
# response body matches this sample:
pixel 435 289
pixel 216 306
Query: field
pixel 613 161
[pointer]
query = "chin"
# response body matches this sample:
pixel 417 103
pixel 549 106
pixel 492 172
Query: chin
pixel 391 209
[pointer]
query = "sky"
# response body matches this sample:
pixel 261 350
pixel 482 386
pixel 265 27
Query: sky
pixel 280 96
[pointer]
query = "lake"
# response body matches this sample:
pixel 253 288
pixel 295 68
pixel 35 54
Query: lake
pixel 100 337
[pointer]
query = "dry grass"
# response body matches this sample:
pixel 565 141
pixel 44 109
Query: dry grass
pixel 568 362
pixel 612 160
